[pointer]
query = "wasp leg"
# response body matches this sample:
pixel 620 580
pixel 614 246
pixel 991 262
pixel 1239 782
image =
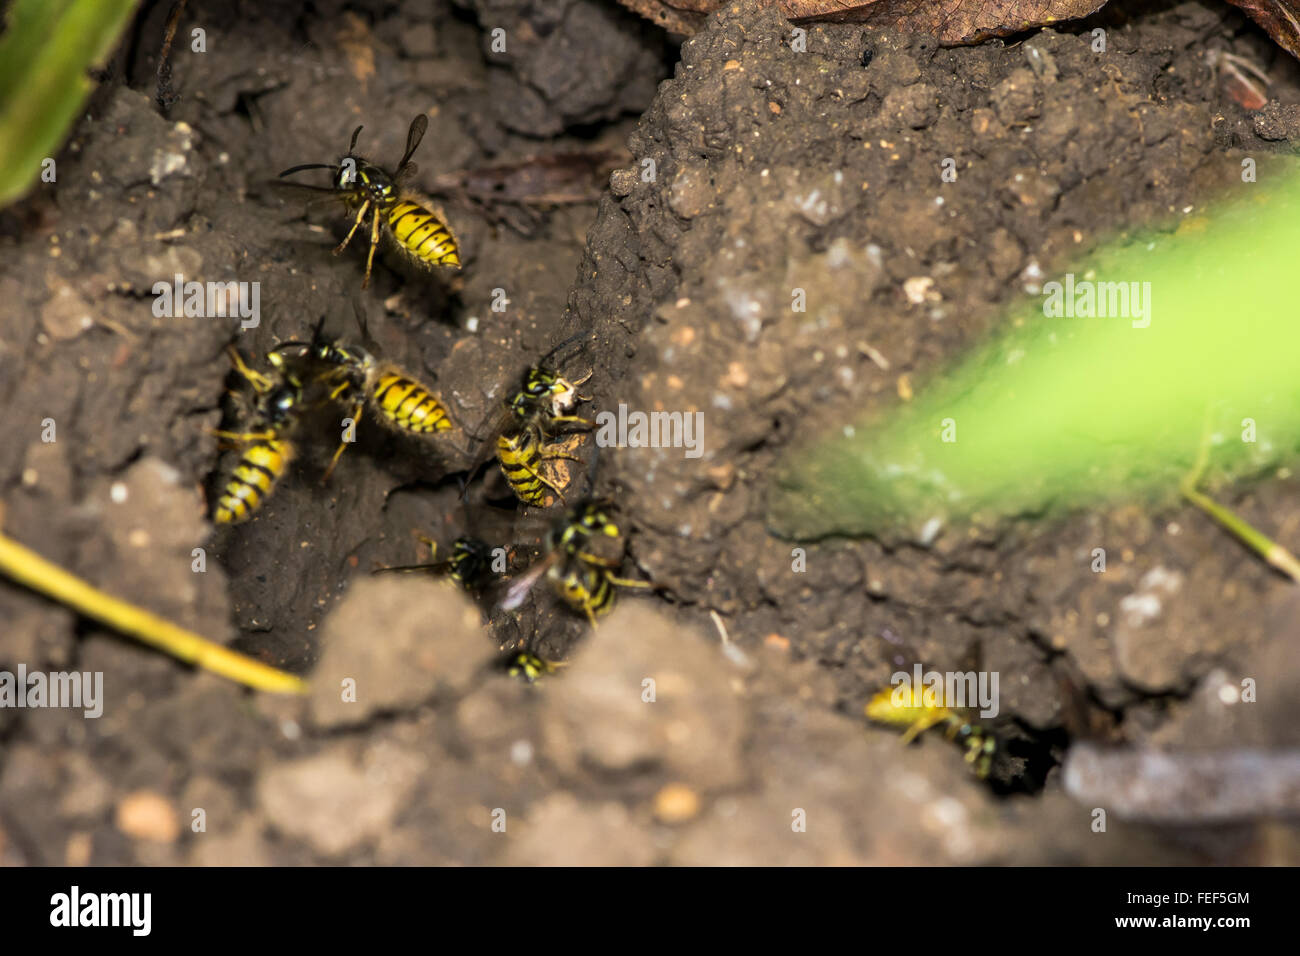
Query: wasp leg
pixel 258 380
pixel 374 241
pixel 547 452
pixel 609 566
pixel 582 381
pixel 340 389
pixel 628 582
pixel 573 418
pixel 558 456
pixel 542 478
pixel 920 727
pixel 243 436
pixel 356 420
pixel 361 214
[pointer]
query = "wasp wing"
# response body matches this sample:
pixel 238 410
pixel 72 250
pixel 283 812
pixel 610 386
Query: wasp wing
pixel 518 588
pixel 419 126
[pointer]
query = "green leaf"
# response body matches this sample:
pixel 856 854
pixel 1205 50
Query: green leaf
pixel 44 55
pixel 1060 413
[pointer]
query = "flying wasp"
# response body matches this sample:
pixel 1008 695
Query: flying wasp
pixel 416 226
pixel 355 375
pixel 584 551
pixel 521 436
pixel 917 709
pixel 275 413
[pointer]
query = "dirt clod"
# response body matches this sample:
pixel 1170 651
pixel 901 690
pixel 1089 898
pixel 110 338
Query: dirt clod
pixel 391 645
pixel 643 695
pixel 335 801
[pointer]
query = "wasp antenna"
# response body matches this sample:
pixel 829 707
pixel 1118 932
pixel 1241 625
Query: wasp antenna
pixel 318 330
pixel 353 145
pixel 297 169
pixel 555 350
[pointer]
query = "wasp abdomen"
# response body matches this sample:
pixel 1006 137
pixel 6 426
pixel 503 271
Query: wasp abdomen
pixel 423 233
pixel 254 478
pixel 588 591
pixel 409 405
pixel 521 459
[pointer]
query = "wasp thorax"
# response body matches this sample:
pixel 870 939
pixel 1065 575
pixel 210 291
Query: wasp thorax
pixel 280 403
pixel 359 357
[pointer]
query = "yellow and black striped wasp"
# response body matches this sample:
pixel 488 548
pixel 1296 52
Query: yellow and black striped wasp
pixel 583 552
pixel 916 709
pixel 522 436
pixel 354 375
pixel 411 220
pixel 527 665
pixel 470 564
pixel 276 410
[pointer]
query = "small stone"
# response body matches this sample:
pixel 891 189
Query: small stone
pixel 676 803
pixel 917 289
pixel 146 815
pixel 1278 121
pixel 66 315
pixel 380 654
pixel 622 182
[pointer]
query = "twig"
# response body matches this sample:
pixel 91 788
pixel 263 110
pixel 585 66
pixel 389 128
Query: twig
pixel 166 96
pixel 30 569
pixel 722 628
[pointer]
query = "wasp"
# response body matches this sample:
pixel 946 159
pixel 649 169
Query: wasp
pixel 276 411
pixel 355 375
pixel 470 563
pixel 584 551
pixel 415 225
pixel 521 436
pixel 917 709
pixel 529 666
pixel 909 710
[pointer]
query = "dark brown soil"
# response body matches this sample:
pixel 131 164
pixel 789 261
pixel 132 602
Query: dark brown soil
pixel 773 170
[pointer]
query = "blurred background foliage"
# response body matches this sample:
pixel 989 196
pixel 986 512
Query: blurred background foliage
pixel 1062 412
pixel 46 52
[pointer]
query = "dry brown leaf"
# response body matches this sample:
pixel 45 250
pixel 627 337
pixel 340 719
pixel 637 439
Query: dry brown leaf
pixel 950 21
pixel 675 16
pixel 1279 18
